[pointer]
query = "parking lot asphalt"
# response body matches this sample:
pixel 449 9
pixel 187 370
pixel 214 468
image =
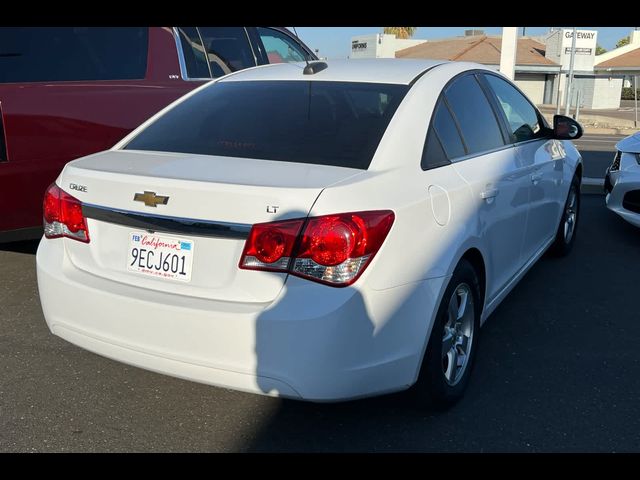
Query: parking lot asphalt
pixel 557 370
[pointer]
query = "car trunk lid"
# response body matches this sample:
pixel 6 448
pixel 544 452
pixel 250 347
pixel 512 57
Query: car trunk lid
pixel 211 203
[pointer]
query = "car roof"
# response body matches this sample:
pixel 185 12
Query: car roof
pixel 379 70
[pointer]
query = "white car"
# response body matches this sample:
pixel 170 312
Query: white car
pixel 622 181
pixel 321 233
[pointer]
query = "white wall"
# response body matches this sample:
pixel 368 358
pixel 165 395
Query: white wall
pixel 585 87
pixel 606 92
pixel 391 44
pixel 532 84
pixel 553 44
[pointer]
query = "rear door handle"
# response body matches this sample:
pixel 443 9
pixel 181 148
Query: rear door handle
pixel 489 193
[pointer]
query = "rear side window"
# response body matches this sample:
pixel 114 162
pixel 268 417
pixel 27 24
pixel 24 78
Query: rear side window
pixel 48 54
pixel 279 47
pixel 522 117
pixel 475 117
pixel 227 48
pixel 443 140
pixel 324 123
pixel 195 59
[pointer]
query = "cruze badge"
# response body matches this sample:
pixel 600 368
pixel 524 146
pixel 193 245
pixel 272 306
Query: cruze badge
pixel 150 199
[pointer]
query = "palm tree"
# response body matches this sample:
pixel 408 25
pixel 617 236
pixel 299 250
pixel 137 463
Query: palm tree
pixel 401 32
pixel 623 41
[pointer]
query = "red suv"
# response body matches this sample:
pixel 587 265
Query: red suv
pixel 66 92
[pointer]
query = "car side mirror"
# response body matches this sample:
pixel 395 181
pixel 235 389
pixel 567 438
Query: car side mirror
pixel 566 128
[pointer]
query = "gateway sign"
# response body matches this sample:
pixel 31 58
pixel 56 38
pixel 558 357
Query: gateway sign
pixel 585 49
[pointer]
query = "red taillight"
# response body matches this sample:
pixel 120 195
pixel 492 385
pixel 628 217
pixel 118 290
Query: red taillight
pixel 332 249
pixel 329 240
pixel 270 245
pixel 63 215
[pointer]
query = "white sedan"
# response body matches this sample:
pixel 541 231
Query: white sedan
pixel 622 182
pixel 320 233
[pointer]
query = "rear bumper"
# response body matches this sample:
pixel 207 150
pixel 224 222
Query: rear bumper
pixel 312 342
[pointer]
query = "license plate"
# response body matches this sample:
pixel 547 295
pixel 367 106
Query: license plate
pixel 162 257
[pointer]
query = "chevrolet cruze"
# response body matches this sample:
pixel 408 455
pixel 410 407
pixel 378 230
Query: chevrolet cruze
pixel 320 232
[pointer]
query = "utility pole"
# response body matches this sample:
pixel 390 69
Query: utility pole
pixel 558 98
pixel 635 98
pixel 578 100
pixel 567 89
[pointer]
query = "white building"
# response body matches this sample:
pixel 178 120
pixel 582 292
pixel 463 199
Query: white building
pixel 594 90
pixel 379 45
pixel 541 68
pixel 623 61
pixel 534 73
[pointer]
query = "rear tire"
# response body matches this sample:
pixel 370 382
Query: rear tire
pixel 450 354
pixel 566 234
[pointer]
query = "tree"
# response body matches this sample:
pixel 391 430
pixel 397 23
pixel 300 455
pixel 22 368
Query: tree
pixel 401 32
pixel 623 41
pixel 600 50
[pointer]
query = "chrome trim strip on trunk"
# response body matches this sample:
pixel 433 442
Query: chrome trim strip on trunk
pixel 166 224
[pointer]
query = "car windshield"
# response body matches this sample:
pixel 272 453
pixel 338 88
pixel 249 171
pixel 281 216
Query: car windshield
pixel 324 123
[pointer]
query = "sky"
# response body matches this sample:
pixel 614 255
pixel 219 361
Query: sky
pixel 335 42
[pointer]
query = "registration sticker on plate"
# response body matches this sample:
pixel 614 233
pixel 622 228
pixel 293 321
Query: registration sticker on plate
pixel 163 257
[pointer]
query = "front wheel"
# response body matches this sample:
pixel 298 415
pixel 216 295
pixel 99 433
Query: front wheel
pixel 453 342
pixel 566 234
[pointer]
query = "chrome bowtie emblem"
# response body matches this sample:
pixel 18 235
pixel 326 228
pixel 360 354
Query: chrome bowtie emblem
pixel 150 199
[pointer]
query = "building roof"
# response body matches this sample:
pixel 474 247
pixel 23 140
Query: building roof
pixel 626 60
pixel 480 49
pixel 378 70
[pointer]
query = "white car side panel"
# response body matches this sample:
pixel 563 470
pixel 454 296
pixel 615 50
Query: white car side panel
pixel 499 206
pixel 543 161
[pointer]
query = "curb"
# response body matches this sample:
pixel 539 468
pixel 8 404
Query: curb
pixel 609 131
pixel 610 125
pixel 592 186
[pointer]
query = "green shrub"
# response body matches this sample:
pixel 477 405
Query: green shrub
pixel 627 93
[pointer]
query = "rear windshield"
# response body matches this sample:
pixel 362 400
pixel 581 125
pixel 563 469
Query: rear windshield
pixel 324 123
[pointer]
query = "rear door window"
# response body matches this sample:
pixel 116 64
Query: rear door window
pixel 279 47
pixel 443 140
pixel 475 117
pixel 228 49
pixel 48 54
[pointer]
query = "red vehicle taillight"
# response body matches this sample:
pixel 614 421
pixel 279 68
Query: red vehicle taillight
pixel 331 249
pixel 63 215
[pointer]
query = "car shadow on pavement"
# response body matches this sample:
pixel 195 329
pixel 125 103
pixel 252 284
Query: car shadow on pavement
pixel 25 246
